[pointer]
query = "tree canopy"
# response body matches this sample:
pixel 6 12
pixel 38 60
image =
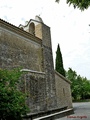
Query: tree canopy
pixel 81 4
pixel 59 62
pixel 12 101
pixel 80 86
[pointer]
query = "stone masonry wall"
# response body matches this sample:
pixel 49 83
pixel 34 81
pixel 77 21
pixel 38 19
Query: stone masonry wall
pixel 17 51
pixel 33 84
pixel 45 89
pixel 63 91
pixel 49 68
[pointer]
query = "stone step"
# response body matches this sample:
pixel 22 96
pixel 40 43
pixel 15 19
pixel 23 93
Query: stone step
pixel 50 114
pixel 56 115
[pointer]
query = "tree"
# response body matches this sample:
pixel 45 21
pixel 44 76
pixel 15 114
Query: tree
pixel 80 86
pixel 81 4
pixel 59 62
pixel 12 100
pixel 72 76
pixel 85 88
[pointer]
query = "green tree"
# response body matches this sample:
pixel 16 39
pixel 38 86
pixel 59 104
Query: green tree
pixel 59 62
pixel 80 86
pixel 72 76
pixel 12 101
pixel 81 4
pixel 85 88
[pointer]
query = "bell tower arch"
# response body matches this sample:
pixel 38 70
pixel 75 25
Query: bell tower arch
pixel 32 28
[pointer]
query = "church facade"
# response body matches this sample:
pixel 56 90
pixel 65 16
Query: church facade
pixel 29 46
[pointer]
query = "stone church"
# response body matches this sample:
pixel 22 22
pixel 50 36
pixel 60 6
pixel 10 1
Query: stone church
pixel 29 46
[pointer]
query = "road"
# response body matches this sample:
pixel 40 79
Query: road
pixel 81 112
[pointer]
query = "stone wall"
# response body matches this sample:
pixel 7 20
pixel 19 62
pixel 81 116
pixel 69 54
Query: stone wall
pixel 19 48
pixel 49 67
pixel 63 91
pixel 19 51
pixel 46 90
pixel 33 84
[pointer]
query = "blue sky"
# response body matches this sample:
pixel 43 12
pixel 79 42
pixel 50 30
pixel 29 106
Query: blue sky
pixel 69 27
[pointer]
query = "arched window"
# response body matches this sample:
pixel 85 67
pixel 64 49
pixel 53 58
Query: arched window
pixel 32 28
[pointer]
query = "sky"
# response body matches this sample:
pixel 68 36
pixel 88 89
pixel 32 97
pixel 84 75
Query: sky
pixel 69 27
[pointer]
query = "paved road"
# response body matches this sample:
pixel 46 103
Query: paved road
pixel 81 112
